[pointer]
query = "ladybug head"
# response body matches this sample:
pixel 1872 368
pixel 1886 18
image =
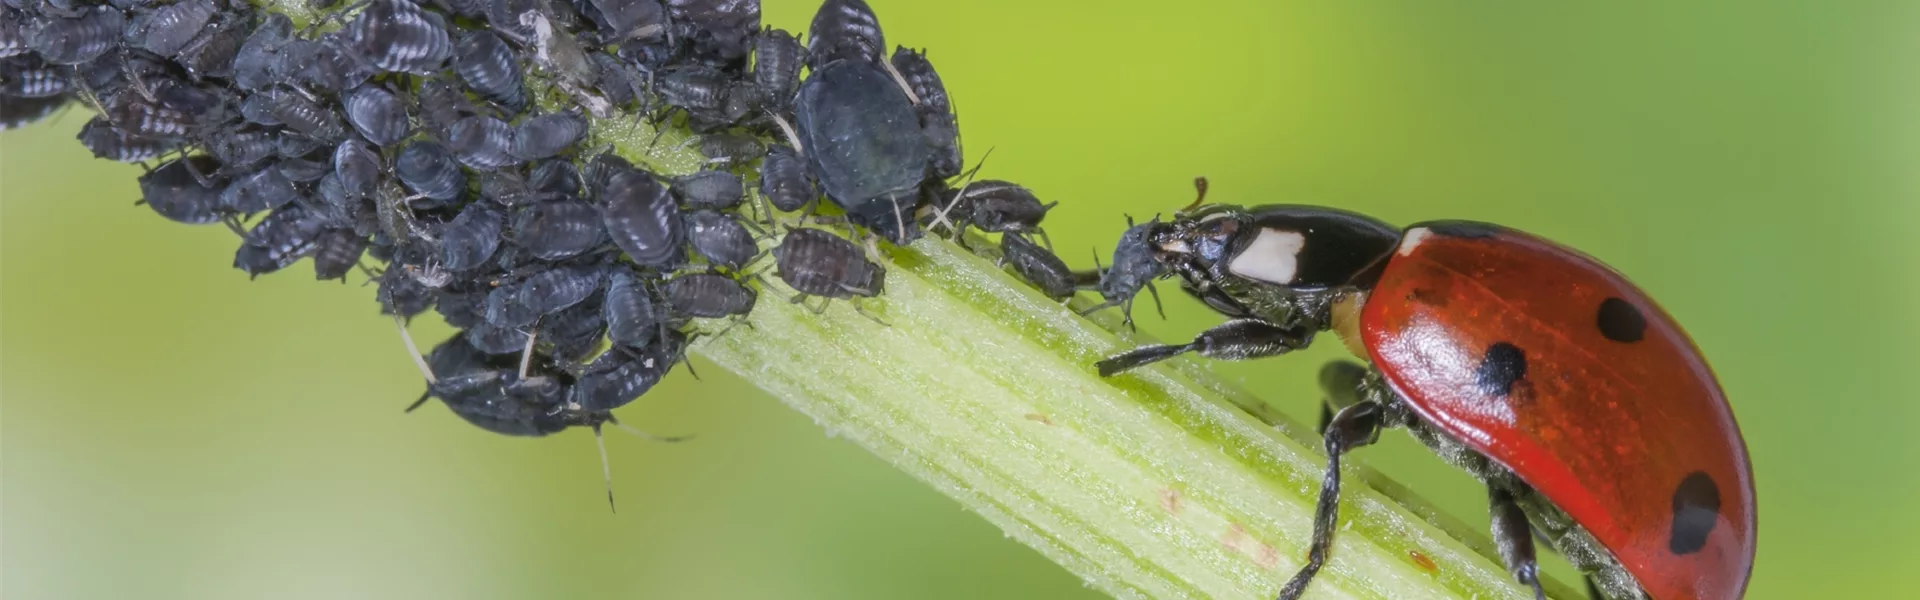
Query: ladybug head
pixel 1303 248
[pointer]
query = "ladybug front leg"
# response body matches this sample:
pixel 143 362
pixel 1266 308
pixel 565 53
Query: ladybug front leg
pixel 1514 537
pixel 1234 340
pixel 1354 426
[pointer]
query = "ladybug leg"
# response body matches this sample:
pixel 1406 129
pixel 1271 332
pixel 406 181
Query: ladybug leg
pixel 1354 426
pixel 1514 537
pixel 1235 340
pixel 1342 381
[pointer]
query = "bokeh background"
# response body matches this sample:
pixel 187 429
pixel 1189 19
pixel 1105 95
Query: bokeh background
pixel 173 430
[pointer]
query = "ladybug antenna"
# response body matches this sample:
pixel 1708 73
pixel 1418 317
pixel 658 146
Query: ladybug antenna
pixel 1199 186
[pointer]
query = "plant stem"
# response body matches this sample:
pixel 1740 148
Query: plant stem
pixel 1162 483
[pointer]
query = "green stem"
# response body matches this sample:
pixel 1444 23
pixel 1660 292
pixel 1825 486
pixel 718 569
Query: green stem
pixel 1163 483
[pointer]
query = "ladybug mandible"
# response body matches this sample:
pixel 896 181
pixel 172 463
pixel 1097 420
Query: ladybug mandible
pixel 1584 407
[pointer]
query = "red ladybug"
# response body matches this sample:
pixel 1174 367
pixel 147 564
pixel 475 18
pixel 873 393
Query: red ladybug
pixel 1584 407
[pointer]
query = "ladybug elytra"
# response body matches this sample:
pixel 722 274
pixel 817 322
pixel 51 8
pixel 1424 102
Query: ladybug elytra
pixel 1587 411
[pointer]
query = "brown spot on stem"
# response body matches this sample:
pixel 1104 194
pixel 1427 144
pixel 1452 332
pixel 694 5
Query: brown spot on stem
pixel 1040 418
pixel 1170 501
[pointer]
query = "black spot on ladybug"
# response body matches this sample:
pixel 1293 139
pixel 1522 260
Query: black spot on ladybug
pixel 1503 366
pixel 1621 322
pixel 1463 229
pixel 1696 507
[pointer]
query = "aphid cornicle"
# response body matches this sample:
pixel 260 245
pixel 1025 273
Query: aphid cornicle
pixel 1511 356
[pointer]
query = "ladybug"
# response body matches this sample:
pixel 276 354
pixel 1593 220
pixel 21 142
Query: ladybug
pixel 1591 416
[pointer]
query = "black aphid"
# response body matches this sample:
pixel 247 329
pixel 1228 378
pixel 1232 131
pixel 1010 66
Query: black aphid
pixel 488 66
pixel 19 113
pixel 1039 267
pixel 785 180
pixel 548 135
pixel 281 239
pixel 631 314
pixel 377 114
pixel 471 237
pixel 702 92
pixel 643 219
pixel 617 378
pixel 556 176
pixel 731 148
pixel 211 55
pixel 1134 267
pixel 300 113
pixel 30 77
pixel 626 20
pixel 174 191
pixel 336 253
pixel 818 263
pixel 242 148
pixel 79 38
pixel 111 143
pixel 716 32
pixel 863 141
pixel 265 189
pixel 252 64
pixel 429 170
pixel 557 288
pixel 709 189
pixel 556 230
pixel 359 168
pixel 304 171
pixel 481 142
pixel 440 103
pixel 709 296
pixel 844 30
pixel 994 206
pixel 937 122
pixel 776 70
pixel 397 36
pixel 721 239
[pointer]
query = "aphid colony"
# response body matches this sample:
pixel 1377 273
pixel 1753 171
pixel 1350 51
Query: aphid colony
pixel 441 149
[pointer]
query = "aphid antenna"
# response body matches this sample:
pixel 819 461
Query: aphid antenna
pixel 651 437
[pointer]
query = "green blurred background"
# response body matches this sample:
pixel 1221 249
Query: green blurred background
pixel 172 430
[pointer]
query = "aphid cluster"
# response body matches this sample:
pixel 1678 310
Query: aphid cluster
pixel 441 149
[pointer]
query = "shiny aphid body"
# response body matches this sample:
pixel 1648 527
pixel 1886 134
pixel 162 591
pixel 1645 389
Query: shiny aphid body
pixel 817 263
pixel 721 239
pixel 708 296
pixel 1508 354
pixel 547 136
pixel 378 114
pixel 643 219
pixel 487 65
pixel 1040 267
pixel 720 190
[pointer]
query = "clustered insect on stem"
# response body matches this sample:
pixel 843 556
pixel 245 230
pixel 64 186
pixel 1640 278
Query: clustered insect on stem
pixel 442 148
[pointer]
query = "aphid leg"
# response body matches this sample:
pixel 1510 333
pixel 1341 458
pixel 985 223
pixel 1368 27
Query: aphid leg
pixel 642 434
pixel 1352 427
pixel 1239 339
pixel 606 468
pixel 412 350
pixel 1157 306
pixel 858 308
pixel 1514 537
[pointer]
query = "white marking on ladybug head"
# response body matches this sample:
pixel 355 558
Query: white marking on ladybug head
pixel 1273 257
pixel 1412 239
